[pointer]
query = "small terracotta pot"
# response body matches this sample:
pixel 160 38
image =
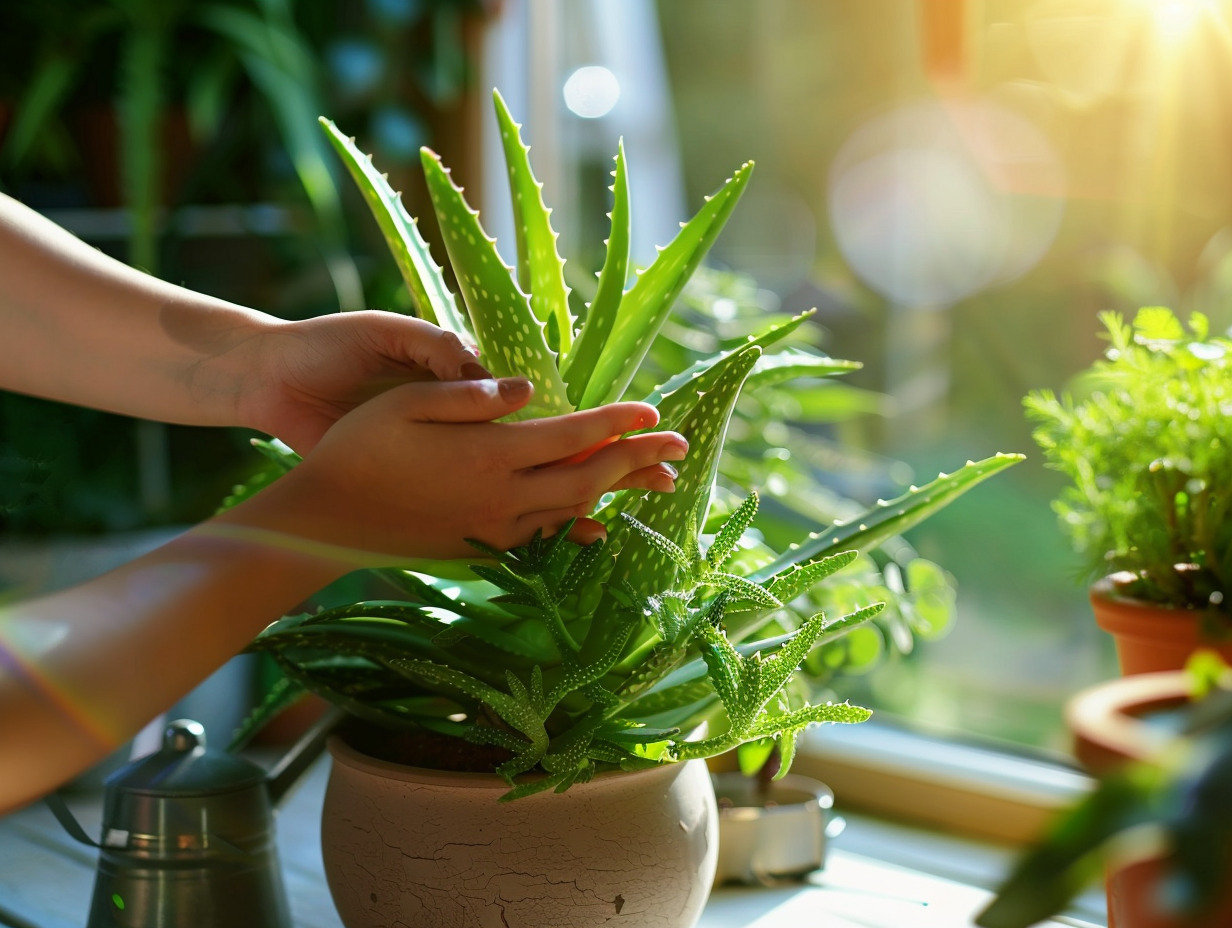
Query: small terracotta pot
pixel 1149 637
pixel 1109 731
pixel 435 849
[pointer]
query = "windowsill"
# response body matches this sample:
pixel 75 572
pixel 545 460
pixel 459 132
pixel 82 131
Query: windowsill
pixel 962 788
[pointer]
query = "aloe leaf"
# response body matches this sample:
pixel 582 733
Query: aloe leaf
pixel 510 337
pixel 541 271
pixel 798 580
pixel 791 363
pixel 762 340
pixel 702 418
pixel 724 544
pixel 646 306
pixel 888 517
pixel 580 362
pixel 429 292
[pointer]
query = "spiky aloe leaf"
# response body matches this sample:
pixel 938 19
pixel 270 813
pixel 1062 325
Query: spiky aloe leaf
pixel 429 292
pixel 702 418
pixel 520 711
pixel 580 362
pixel 510 337
pixel 762 340
pixel 645 307
pixel 791 363
pixel 541 270
pixel 889 517
pixel 798 580
pixel 724 544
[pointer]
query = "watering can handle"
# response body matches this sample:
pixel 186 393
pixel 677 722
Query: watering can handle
pixel 64 815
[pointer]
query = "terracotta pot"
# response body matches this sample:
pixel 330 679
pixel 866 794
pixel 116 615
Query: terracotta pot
pixel 1149 637
pixel 435 849
pixel 1109 729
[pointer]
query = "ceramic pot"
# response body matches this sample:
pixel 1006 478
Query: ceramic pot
pixel 435 849
pixel 1109 728
pixel 1150 637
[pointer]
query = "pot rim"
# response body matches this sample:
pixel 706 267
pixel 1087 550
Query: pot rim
pixel 349 756
pixel 1105 718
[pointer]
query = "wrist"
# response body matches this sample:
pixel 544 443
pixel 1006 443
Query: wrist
pixel 228 372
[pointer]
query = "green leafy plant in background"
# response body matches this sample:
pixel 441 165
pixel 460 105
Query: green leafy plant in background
pixel 1146 449
pixel 577 659
pixel 257 41
pixel 1173 806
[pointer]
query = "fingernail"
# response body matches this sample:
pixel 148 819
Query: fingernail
pixel 473 349
pixel 675 449
pixel 472 371
pixel 514 388
pixel 671 470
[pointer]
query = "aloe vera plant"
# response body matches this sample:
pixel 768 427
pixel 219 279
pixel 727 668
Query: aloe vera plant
pixel 577 659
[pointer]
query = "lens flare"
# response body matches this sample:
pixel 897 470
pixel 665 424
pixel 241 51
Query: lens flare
pixel 937 201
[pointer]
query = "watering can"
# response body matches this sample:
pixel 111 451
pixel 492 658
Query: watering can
pixel 188 835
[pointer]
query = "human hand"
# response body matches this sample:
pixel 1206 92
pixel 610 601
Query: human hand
pixel 419 469
pixel 301 377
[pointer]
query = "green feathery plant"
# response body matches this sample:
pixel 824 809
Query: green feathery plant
pixel 1146 449
pixel 579 659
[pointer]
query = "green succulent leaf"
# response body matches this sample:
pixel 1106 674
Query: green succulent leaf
pixel 889 517
pixel 724 544
pixel 701 415
pixel 792 363
pixel 647 303
pixel 541 271
pixel 763 340
pixel 425 282
pixel 580 363
pixel 510 337
pixel 799 579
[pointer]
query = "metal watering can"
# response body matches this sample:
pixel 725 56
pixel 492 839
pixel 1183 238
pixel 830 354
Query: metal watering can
pixel 188 836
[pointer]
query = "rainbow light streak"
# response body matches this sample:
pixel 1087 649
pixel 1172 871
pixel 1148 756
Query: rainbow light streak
pixel 54 694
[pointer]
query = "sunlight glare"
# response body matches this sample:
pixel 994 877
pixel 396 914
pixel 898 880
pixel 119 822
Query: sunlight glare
pixel 1175 18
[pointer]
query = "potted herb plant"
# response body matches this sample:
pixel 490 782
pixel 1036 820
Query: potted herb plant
pixel 1157 823
pixel 603 674
pixel 1146 448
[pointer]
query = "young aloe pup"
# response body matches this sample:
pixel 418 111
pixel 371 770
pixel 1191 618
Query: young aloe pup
pixel 575 659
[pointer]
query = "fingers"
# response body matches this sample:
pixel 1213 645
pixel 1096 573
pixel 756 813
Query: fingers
pixel 416 342
pixel 459 400
pixel 658 477
pixel 630 462
pixel 576 435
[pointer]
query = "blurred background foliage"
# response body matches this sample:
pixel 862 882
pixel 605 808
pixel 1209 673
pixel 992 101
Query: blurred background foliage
pixel 181 137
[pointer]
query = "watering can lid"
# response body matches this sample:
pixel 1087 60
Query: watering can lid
pixel 184 767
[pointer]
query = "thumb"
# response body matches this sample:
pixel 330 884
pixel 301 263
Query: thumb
pixel 466 400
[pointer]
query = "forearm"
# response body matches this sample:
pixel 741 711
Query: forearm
pixel 80 327
pixel 83 670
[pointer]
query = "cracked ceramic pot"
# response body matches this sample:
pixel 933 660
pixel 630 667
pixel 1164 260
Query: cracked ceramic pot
pixel 435 849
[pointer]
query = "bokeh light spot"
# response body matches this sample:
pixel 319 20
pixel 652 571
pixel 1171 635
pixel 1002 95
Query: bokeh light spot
pixel 935 202
pixel 591 91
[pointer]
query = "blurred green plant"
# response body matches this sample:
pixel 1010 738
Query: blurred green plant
pixel 1177 801
pixel 1146 448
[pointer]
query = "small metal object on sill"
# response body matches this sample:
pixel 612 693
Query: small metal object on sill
pixel 775 836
